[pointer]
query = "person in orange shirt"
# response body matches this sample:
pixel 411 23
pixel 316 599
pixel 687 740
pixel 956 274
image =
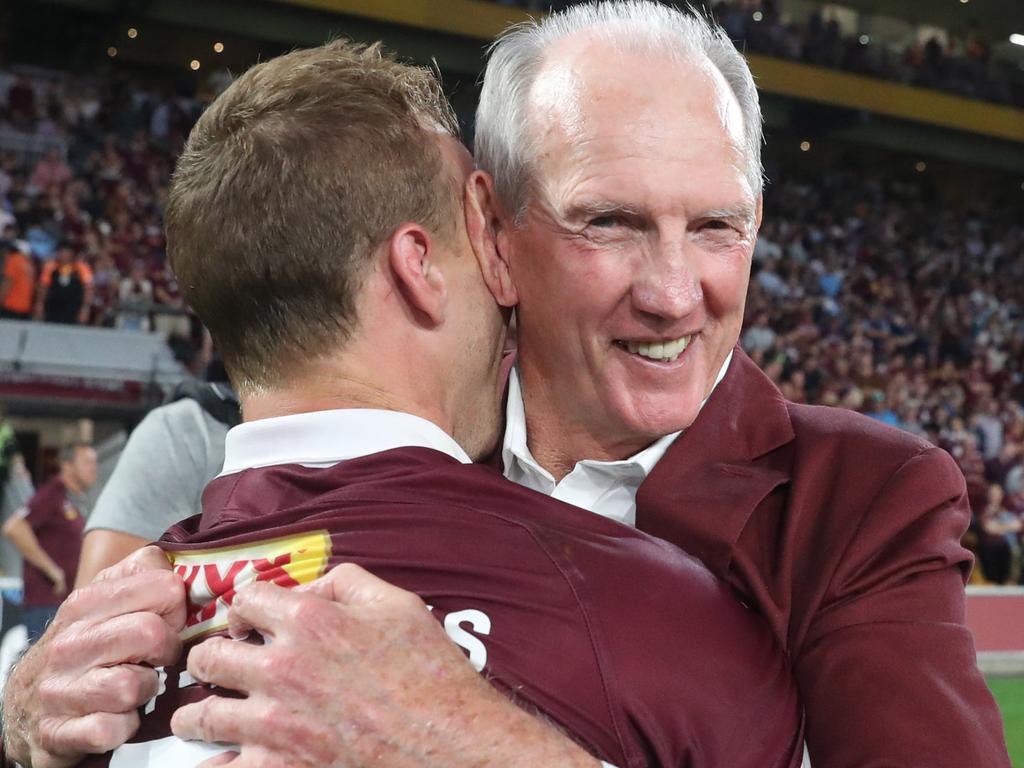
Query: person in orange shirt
pixel 65 289
pixel 17 283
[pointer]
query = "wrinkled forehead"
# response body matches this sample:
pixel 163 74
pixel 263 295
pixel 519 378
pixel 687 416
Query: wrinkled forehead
pixel 589 91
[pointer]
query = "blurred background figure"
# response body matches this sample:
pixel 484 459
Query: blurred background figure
pixel 17 280
pixel 65 288
pixel 48 534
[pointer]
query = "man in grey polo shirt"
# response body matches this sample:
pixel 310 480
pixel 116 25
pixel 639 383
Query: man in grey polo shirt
pixel 159 479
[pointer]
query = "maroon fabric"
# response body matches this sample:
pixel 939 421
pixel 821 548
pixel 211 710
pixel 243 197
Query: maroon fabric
pixel 845 535
pixel 626 642
pixel 58 524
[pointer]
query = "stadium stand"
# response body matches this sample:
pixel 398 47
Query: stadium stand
pixel 962 65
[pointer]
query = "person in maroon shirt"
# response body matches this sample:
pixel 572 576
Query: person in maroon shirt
pixel 48 533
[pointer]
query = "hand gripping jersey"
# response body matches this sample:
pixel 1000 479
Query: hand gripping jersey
pixel 624 641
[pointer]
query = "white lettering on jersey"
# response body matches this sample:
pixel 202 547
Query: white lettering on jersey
pixel 481 623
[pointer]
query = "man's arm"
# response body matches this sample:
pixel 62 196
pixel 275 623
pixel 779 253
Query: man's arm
pixel 888 670
pixel 78 689
pixel 390 688
pixel 24 539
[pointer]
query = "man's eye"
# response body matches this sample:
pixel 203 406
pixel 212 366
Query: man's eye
pixel 716 225
pixel 605 222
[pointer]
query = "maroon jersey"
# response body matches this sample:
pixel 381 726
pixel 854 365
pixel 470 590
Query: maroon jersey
pixel 57 523
pixel 625 641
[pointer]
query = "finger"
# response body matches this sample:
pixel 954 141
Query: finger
pixel 214 719
pixel 115 690
pixel 230 664
pixel 150 558
pixel 351 585
pixel 160 592
pixel 267 608
pixel 133 638
pixel 93 734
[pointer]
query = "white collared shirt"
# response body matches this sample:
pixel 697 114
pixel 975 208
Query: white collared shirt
pixel 608 488
pixel 325 438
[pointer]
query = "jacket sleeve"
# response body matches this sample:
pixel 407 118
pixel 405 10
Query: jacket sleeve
pixel 888 672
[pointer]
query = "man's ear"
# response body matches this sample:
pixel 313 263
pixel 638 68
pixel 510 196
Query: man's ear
pixel 414 267
pixel 758 214
pixel 488 228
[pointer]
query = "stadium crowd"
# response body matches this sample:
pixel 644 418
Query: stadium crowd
pixel 958 65
pixel 84 171
pixel 861 295
pixel 904 303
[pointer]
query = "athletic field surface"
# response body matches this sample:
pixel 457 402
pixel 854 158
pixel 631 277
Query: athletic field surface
pixel 1009 692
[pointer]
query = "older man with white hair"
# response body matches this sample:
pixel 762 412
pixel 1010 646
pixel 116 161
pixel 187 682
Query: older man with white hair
pixel 624 144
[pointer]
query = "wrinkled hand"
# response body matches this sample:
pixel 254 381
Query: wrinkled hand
pixel 77 690
pixel 355 673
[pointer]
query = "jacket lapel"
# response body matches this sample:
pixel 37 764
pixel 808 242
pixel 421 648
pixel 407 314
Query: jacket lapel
pixel 701 494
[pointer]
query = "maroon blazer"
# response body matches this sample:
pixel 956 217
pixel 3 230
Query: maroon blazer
pixel 845 535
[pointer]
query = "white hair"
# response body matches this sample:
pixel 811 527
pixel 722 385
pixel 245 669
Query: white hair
pixel 504 144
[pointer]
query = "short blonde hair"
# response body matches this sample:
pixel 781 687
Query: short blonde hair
pixel 286 186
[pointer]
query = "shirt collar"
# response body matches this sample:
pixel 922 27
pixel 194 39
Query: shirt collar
pixel 324 438
pixel 515 447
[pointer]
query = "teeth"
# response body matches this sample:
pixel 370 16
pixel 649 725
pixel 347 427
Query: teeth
pixel 665 351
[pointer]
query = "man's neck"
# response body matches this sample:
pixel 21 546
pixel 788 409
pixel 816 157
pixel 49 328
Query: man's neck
pixel 557 443
pixel 328 386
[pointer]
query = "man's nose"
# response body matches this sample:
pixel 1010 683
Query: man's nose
pixel 670 286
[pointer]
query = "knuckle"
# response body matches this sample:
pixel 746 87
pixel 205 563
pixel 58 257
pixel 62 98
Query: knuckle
pixel 124 688
pixel 60 649
pixel 308 611
pixel 109 731
pixel 272 717
pixel 72 605
pixel 50 692
pixel 408 603
pixel 150 632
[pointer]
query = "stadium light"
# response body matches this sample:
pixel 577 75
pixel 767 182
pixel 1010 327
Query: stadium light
pixel 218 47
pixel 864 39
pixel 194 64
pixel 1017 39
pixel 921 166
pixel 758 15
pixel 805 146
pixel 133 33
pixel 111 51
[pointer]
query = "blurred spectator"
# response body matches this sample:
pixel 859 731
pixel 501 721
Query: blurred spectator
pixel 65 289
pixel 1000 549
pixel 759 336
pixel 48 533
pixel 17 282
pixel 135 299
pixel 50 172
